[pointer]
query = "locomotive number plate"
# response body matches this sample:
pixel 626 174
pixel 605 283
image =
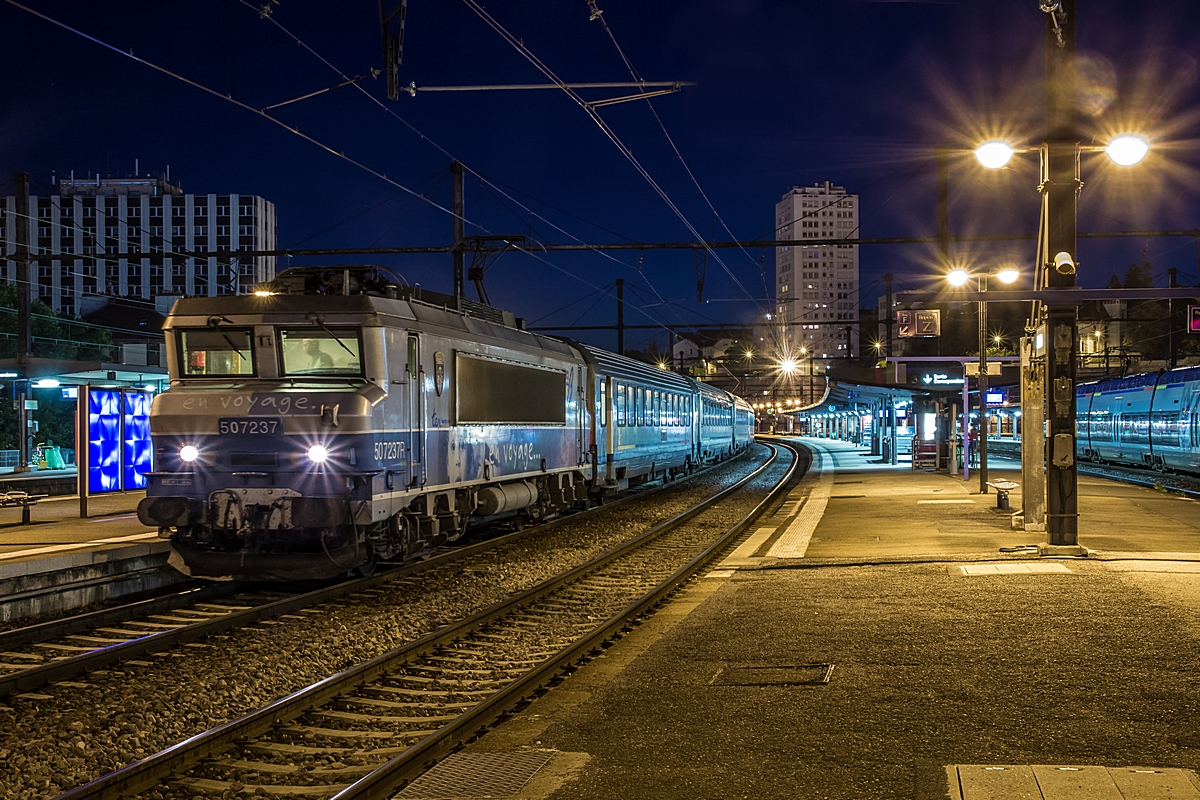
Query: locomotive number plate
pixel 249 426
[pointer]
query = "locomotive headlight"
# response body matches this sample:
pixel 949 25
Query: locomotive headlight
pixel 188 453
pixel 318 453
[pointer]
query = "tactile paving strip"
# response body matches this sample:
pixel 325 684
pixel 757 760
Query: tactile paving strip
pixel 478 775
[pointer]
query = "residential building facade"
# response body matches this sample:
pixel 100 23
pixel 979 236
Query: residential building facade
pixel 139 237
pixel 817 286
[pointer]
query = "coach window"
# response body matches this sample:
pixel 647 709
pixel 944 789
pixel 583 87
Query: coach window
pixel 620 405
pixel 601 406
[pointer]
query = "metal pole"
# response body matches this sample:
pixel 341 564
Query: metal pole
pixel 983 389
pixel 887 315
pixel 1060 182
pixel 942 157
pixel 456 174
pixel 966 426
pixel 895 438
pixel 1033 442
pixel 1172 333
pixel 24 321
pixel 621 316
pixel 82 443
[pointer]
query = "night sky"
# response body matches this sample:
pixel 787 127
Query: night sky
pixel 788 93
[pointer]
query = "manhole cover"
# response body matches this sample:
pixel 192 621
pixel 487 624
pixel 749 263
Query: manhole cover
pixel 478 775
pixel 773 675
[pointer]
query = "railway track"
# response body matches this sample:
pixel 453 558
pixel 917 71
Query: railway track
pixel 62 649
pixel 371 728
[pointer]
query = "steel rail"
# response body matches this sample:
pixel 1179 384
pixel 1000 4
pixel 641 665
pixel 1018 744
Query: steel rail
pixel 386 780
pixel 64 669
pixel 107 616
pixel 151 771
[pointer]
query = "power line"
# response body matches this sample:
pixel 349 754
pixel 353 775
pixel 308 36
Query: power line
pixel 520 47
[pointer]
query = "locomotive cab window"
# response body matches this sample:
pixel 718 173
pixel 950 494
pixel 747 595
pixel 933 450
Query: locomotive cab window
pixel 214 352
pixel 320 351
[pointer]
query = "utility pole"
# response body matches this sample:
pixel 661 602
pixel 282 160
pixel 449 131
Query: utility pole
pixel 983 390
pixel 620 316
pixel 456 174
pixel 1172 332
pixel 887 316
pixel 941 156
pixel 1060 186
pixel 24 322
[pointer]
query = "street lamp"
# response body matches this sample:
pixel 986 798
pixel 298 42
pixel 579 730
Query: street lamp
pixel 1059 183
pixel 959 278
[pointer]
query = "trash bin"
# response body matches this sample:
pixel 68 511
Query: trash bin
pixel 52 458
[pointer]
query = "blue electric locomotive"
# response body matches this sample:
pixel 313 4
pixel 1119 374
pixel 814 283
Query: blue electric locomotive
pixel 337 418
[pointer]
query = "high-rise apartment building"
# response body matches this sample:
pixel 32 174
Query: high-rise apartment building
pixel 139 237
pixel 816 286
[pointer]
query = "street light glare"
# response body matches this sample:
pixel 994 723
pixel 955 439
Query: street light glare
pixel 1007 275
pixel 1127 150
pixel 957 277
pixel 787 366
pixel 994 154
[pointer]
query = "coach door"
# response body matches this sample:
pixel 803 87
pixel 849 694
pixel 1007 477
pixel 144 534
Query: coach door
pixel 415 428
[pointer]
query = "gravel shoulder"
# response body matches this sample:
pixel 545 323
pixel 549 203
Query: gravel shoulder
pixel 69 733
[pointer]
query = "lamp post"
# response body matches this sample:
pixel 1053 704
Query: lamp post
pixel 958 278
pixel 1059 157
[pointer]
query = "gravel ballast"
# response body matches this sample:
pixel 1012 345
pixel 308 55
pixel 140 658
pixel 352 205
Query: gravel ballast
pixel 70 733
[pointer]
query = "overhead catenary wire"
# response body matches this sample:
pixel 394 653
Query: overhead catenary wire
pixel 597 15
pixel 295 131
pixel 299 42
pixel 520 47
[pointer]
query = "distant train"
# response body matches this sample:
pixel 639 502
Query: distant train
pixel 339 418
pixel 1151 420
pixel 1147 420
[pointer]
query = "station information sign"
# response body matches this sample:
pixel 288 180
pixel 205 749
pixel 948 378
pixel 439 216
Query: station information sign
pixel 921 323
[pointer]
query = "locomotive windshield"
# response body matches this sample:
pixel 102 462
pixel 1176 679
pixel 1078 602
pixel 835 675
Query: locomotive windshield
pixel 320 351
pixel 216 351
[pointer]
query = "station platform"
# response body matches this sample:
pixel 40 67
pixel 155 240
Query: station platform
pixel 871 640
pixel 60 561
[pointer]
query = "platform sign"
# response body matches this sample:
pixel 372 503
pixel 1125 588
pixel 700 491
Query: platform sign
pixel 119 451
pixel 1194 319
pixel 921 323
pixel 995 398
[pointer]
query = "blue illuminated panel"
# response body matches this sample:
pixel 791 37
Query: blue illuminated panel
pixel 104 437
pixel 137 451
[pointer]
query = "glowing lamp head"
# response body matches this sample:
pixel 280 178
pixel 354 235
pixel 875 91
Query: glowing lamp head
pixel 957 277
pixel 318 454
pixel 47 383
pixel 188 453
pixel 994 154
pixel 662 365
pixel 263 293
pixel 787 366
pixel 1127 150
pixel 1008 275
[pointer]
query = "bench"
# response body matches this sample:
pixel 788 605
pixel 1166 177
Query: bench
pixel 22 499
pixel 1002 489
